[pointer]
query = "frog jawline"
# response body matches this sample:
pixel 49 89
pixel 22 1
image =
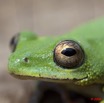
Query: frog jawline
pixel 22 77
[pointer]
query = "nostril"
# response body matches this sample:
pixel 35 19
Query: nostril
pixel 26 59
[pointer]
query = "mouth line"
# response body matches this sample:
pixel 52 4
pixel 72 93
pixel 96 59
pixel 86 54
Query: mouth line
pixel 46 78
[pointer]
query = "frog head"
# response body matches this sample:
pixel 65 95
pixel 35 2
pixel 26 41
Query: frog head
pixel 68 58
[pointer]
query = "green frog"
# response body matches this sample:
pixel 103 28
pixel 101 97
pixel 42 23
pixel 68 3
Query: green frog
pixel 74 61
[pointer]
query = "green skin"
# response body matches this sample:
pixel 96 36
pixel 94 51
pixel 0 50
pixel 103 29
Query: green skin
pixel 40 64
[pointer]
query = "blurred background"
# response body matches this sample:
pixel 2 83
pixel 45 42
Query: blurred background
pixel 45 17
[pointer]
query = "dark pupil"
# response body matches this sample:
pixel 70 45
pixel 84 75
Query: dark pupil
pixel 69 52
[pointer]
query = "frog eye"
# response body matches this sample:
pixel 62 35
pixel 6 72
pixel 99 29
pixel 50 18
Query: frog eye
pixel 13 42
pixel 68 54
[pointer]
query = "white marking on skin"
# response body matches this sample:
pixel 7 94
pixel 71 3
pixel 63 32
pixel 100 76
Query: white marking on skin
pixel 17 60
